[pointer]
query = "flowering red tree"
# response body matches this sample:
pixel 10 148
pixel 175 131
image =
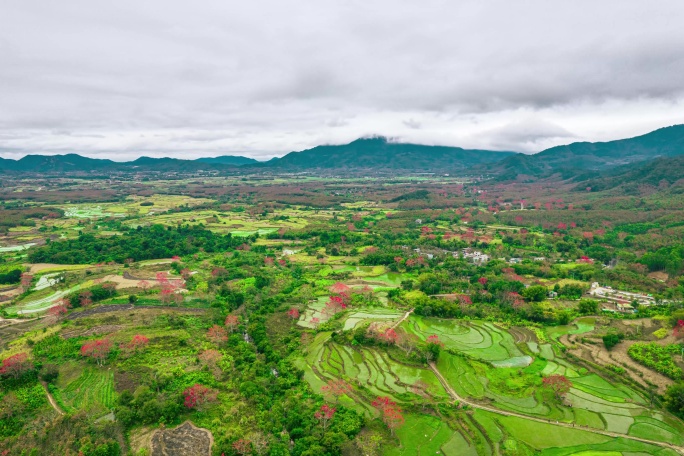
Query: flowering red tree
pixel 390 336
pixel 325 414
pixel 217 334
pixel 232 322
pixel 57 311
pixel 336 388
pixel 559 384
pixel 243 447
pixel 391 414
pixel 678 331
pixel 335 304
pixel 293 313
pixel 138 342
pixel 339 287
pixel 16 365
pixel 97 349
pixel 198 396
pixel 175 258
pixel 483 281
pixel 269 261
pixel 86 298
pixel 315 321
pixel 186 273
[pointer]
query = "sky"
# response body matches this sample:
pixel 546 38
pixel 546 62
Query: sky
pixel 262 78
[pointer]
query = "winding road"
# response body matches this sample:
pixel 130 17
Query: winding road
pixel 486 408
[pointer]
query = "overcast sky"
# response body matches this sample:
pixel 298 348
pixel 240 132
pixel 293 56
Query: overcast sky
pixel 120 79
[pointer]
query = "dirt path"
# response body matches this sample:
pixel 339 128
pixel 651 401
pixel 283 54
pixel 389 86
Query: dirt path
pixel 475 405
pixel 51 399
pixel 406 315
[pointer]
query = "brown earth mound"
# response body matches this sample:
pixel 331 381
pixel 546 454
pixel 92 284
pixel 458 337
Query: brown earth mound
pixel 184 440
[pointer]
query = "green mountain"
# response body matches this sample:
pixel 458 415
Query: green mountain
pixel 235 160
pixel 379 154
pixel 576 158
pixel 662 172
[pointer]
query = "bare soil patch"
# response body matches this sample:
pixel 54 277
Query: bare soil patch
pixel 184 440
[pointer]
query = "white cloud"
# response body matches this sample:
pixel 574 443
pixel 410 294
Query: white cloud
pixel 261 78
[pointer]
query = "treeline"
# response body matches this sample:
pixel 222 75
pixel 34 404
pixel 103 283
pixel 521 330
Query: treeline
pixel 11 277
pixel 24 216
pixel 142 243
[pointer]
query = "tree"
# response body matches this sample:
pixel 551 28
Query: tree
pixel 57 311
pixel 339 288
pixel 97 349
pixel 86 298
pixel 315 321
pixel 557 383
pixel 587 307
pixel 232 322
pixel 293 313
pixel 242 447
pixel 16 365
pixel 535 293
pixel 391 414
pixel 674 398
pixel 199 396
pixel 434 346
pixel 325 414
pixel 137 343
pixel 336 388
pixel 611 340
pixel 389 337
pixel 217 334
pixel 211 358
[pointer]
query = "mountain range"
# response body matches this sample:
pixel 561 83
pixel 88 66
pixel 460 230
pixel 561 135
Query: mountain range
pixel 577 158
pixel 602 162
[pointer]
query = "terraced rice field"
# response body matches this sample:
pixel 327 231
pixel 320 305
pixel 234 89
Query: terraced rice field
pixel 480 340
pixel 92 391
pixel 355 318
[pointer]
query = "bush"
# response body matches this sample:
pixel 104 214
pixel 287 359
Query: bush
pixel 611 340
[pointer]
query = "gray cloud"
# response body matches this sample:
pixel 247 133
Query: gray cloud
pixel 170 77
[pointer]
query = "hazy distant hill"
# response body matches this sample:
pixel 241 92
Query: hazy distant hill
pixel 575 158
pixel 74 163
pixel 380 154
pixel 229 160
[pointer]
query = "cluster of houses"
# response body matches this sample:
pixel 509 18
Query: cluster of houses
pixel 619 301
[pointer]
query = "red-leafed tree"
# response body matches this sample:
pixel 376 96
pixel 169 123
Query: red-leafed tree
pixel 16 365
pixel 339 287
pixel 678 331
pixel 86 298
pixel 138 342
pixel 483 281
pixel 57 311
pixel 293 313
pixel 269 261
pixel 243 447
pixel 175 258
pixel 390 336
pixel 557 383
pixel 391 414
pixel 335 304
pixel 325 414
pixel 199 396
pixel 232 322
pixel 315 321
pixel 97 349
pixel 217 334
pixel 336 388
